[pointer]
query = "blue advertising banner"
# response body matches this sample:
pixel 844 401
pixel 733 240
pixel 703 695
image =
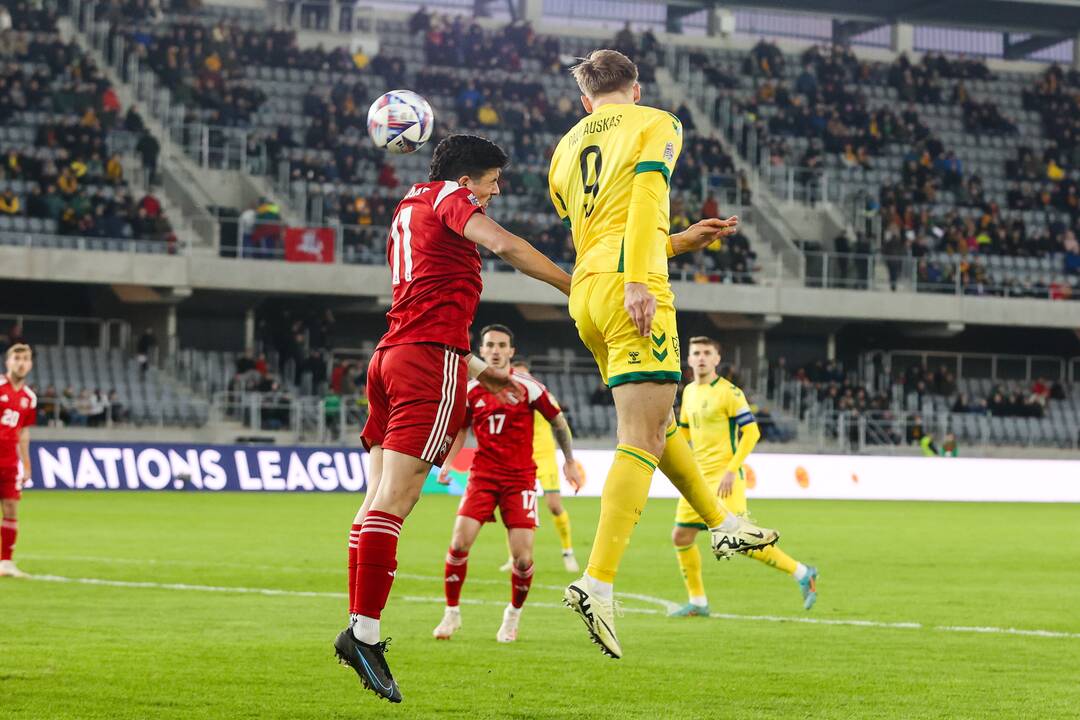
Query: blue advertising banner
pixel 151 466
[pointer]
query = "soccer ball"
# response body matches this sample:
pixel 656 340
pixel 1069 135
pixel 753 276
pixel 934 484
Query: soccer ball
pixel 400 121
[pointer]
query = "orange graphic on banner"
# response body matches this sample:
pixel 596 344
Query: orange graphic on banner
pixel 802 477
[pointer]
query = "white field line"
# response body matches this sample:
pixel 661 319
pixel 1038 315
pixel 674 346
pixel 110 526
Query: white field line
pixel 643 611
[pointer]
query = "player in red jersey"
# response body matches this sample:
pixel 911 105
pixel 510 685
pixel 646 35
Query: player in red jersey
pixel 18 413
pixel 417 374
pixel 503 475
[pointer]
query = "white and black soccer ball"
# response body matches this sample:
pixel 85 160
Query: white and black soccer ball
pixel 400 121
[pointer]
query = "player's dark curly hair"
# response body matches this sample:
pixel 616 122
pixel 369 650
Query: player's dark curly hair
pixel 470 155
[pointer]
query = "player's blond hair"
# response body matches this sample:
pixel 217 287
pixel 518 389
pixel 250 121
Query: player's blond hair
pixel 704 340
pixel 18 348
pixel 603 72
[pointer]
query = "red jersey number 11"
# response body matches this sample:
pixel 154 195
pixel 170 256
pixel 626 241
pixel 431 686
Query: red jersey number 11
pixel 401 236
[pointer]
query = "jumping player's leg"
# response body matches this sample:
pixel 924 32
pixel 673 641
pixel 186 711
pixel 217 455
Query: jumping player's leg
pixel 399 488
pixel 374 476
pixel 678 464
pixel 642 410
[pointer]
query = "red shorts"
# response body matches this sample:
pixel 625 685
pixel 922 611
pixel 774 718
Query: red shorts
pixel 516 502
pixel 9 489
pixel 416 400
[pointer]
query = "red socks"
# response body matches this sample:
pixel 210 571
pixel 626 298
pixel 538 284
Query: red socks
pixel 457 564
pixel 376 559
pixel 354 541
pixel 520 582
pixel 8 530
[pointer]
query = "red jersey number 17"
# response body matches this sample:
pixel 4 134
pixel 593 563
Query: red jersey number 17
pixel 495 424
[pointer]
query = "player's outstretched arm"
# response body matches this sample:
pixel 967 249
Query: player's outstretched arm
pixel 487 233
pixel 444 471
pixel 561 430
pixel 748 439
pixel 701 235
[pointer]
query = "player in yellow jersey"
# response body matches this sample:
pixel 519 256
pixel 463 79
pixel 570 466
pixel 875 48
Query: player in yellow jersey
pixel 609 184
pixel 722 431
pixel 547 475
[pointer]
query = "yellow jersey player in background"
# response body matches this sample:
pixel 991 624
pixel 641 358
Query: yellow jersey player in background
pixel 547 475
pixel 723 432
pixel 609 184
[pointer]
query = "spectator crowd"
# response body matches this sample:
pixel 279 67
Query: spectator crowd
pixel 62 135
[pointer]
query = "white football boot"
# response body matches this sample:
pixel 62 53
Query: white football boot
pixel 597 613
pixel 8 569
pixel 450 624
pixel 745 536
pixel 509 628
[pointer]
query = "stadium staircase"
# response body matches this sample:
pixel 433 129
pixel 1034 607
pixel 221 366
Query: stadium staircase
pixel 771 238
pixel 185 186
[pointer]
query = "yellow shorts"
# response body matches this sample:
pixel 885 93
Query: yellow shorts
pixel 686 516
pixel 547 474
pixel 596 304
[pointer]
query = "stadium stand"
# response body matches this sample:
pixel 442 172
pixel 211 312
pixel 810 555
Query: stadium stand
pixel 918 143
pixel 882 408
pixel 935 148
pixel 66 150
pixel 89 386
pixel 300 117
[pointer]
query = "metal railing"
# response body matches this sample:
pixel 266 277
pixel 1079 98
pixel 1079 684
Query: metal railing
pixel 44 241
pixel 319 419
pixel 63 330
pixel 221 148
pixel 862 432
pixel 993 366
pixel 907 273
pixel 64 411
pixel 802 184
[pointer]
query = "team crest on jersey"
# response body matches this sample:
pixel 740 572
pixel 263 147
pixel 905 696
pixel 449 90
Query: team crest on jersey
pixel 669 152
pixel 3 398
pixel 25 402
pixel 444 446
pixel 474 200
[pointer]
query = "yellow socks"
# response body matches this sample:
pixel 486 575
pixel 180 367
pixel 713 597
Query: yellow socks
pixel 680 467
pixel 562 526
pixel 626 490
pixel 775 557
pixel 689 558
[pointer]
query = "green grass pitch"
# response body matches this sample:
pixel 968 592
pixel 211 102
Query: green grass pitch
pixel 77 650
